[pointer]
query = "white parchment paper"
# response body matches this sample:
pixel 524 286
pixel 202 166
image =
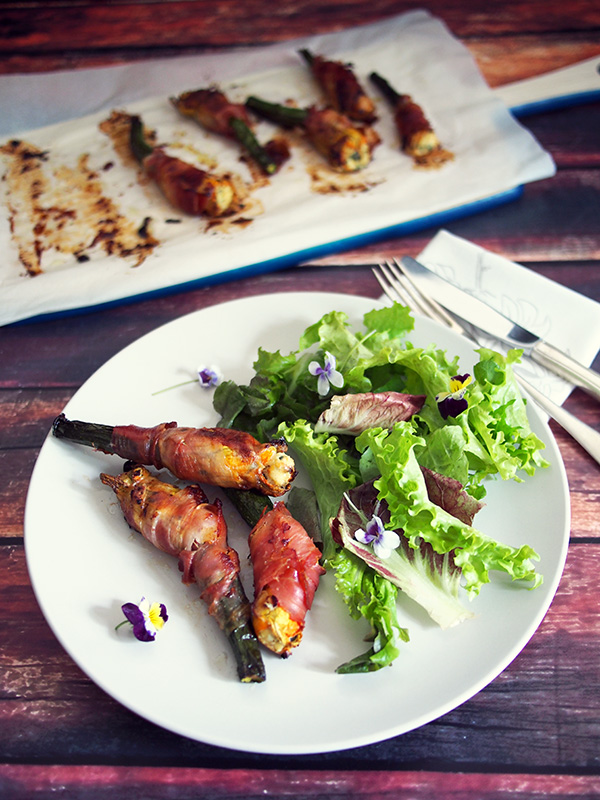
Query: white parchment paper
pixel 292 220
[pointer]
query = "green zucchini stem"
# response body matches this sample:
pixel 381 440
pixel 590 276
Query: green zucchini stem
pixel 286 116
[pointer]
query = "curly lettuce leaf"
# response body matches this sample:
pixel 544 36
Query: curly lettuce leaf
pixel 430 579
pixel 366 594
pixel 403 487
pixel 498 416
pixel 332 471
pixel 492 437
pixel 376 359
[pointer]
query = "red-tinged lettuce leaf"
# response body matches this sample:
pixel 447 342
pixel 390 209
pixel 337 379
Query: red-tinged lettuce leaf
pixel 430 579
pixel 353 413
pixel 402 486
pixel 448 493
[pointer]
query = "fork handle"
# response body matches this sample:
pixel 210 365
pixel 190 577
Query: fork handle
pixel 587 437
pixel 566 367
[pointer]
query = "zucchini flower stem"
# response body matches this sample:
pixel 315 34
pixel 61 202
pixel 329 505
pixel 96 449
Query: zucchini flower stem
pixel 286 116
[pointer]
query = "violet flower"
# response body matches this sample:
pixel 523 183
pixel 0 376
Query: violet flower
pixel 453 403
pixel 326 374
pixel 146 619
pixel 383 541
pixel 209 376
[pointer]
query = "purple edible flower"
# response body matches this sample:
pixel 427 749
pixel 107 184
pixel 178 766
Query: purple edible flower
pixel 146 619
pixel 326 374
pixel 208 376
pixel 383 541
pixel 453 403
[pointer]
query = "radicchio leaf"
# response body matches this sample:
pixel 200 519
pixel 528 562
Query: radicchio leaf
pixel 448 493
pixel 354 413
pixel 429 578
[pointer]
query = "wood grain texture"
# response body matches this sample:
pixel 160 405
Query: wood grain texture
pixel 148 783
pixel 534 732
pixel 63 25
pixel 510 40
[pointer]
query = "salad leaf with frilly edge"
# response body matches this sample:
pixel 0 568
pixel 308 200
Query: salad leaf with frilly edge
pixel 491 438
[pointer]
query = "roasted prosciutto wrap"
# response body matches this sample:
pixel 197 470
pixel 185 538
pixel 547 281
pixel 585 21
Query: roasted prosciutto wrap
pixel 341 87
pixel 417 137
pixel 211 109
pixel 214 111
pixel 346 146
pixel 192 190
pixel 217 456
pixel 182 523
pixel 286 568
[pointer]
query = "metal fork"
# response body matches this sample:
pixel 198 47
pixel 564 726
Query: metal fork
pixel 398 287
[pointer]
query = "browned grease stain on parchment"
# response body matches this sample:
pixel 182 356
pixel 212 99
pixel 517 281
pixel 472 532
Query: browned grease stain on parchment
pixel 326 181
pixel 323 178
pixel 64 209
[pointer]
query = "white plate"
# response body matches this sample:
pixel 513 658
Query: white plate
pixel 85 562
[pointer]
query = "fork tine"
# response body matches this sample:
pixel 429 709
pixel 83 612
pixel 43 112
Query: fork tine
pixel 406 289
pixel 434 309
pixel 392 288
pixel 388 290
pixel 398 289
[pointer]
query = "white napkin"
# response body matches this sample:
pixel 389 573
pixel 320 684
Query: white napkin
pixel 557 314
pixel 294 221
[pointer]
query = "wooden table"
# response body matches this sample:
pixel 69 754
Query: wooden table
pixel 535 731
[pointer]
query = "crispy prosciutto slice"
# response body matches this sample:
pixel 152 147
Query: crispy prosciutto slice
pixel 182 523
pixel 217 456
pixel 286 575
pixel 211 109
pixel 341 87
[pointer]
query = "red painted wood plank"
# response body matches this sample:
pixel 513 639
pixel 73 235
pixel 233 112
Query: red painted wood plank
pixel 51 26
pixel 87 782
pixel 510 41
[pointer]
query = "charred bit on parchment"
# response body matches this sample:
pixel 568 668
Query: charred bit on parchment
pixel 63 209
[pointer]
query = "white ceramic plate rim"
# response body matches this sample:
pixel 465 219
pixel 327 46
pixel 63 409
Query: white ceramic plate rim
pixel 84 562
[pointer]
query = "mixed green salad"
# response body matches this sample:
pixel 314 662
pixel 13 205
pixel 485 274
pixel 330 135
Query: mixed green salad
pixel 398 448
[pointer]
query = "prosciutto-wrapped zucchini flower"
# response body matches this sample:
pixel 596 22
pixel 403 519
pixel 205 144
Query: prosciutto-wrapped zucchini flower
pixel 182 523
pixel 286 575
pixel 217 456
